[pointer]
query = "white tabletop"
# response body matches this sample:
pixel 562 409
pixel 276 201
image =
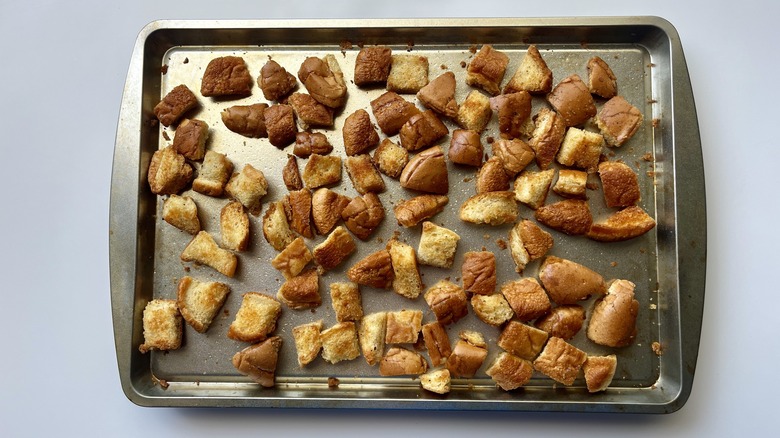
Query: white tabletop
pixel 61 78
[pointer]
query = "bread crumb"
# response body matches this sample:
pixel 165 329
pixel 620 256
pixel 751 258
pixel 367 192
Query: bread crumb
pixel 592 186
pixel 467 179
pixel 162 382
pixel 501 243
pixel 379 240
pixel 486 236
pixel 165 136
pixel 650 173
pixel 443 67
pixel 463 64
pixel 164 69
pixel 473 49
pixel 651 65
pixel 642 250
pixel 345 45
pixel 651 101
pixel 613 264
pixel 647 157
pixel 490 140
pixel 656 123
pixel 653 306
pixel 657 349
pixel 186 60
pixel 333 382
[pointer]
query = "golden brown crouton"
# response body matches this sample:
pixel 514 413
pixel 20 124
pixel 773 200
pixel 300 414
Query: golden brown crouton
pixel 307 341
pixel 340 342
pixel 363 215
pixel 321 171
pixel 309 112
pixel 175 104
pixel 515 155
pixel 345 298
pixel 326 208
pixel 247 120
pixel 468 355
pixel 363 174
pixel 522 340
pixel 447 301
pixel 535 240
pixel 407 282
pixel 487 69
pixel 234 226
pixel 560 361
pixel 324 80
pixel 613 320
pixel 301 291
pixel 336 247
pixel 599 371
pixel 421 131
pixel 276 229
pixel 403 326
pixel 492 177
pixel 547 136
pixel 466 148
pixel 372 65
pixel 563 321
pixel 375 270
pixel 203 249
pixel 513 111
pixel 372 336
pixel 439 95
pixel 182 213
pixel 162 326
pixel 307 143
pixel 408 73
pixel 168 172
pixel 568 282
pixel 390 158
pixel 601 80
pixel 581 149
pixel 532 75
pixel 437 343
pixel 492 208
pixel 275 81
pixel 280 125
pixel 510 372
pixel 619 184
pixel 199 301
pixel 437 245
pixel 391 111
pixel 291 261
pixel 623 225
pixel 259 361
pixel 415 210
pixel 571 183
pixel 479 272
pixel 297 207
pixel 531 187
pixel 248 187
pixel 526 298
pixel 226 76
pixel 572 100
pixel 291 175
pixel 437 381
pixel 256 318
pixel 358 133
pixel 427 172
pixel 618 121
pixel 402 362
pixel 474 113
pixel 570 216
pixel 213 175
pixel 491 309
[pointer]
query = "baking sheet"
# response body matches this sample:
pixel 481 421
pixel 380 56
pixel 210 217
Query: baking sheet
pixel 145 250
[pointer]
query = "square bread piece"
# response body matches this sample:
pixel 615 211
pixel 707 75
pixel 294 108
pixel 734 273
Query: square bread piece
pixel 345 298
pixel 532 75
pixel 618 121
pixel 297 208
pixel 581 149
pixel 256 318
pixel 234 226
pixel 475 112
pixel 276 229
pixel 340 342
pixel 182 213
pixel 487 69
pixel 301 291
pixel 321 171
pixel 372 336
pixel 203 249
pixel 177 102
pixel 447 301
pixel 527 298
pixel 213 175
pixel 293 258
pixel 334 249
pixel 510 372
pixel 307 342
pixel 479 272
pixel 390 158
pixel 408 73
pixel 407 281
pixel 492 309
pixel 364 175
pixel 168 172
pixel 190 138
pixel 403 326
pixel 572 100
pixel 402 362
pixel 571 183
pixel 162 326
pixel 372 65
pixel 619 184
pixel 522 340
pixel 437 245
pixel 199 301
pixel 531 187
pixel 560 361
pixel 248 187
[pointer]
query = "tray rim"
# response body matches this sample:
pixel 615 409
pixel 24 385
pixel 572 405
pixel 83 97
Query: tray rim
pixel 690 217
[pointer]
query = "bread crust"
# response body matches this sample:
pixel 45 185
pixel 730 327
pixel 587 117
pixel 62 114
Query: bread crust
pixel 307 143
pixel 515 155
pixel 618 121
pixel 324 80
pixel 248 187
pixel 346 301
pixel 234 226
pixel 522 340
pixel 572 100
pixel 247 120
pixel 203 249
pixel 168 172
pixel 567 282
pixel 391 111
pixel 619 184
pixel 466 148
pixel 372 336
pixel 487 69
pixel 358 133
pixel 510 372
pixel 301 291
pixel 407 282
pixel 309 112
pixel 526 297
pixel 427 172
pixel 402 362
pixel 532 75
pixel 513 111
pixel 259 361
pixel 492 177
pixel 599 371
pixel 439 95
pixel 415 210
pixel 466 359
pixel 372 65
pixel 280 125
pixel 570 216
pixel 375 270
pixel 275 81
pixel 213 175
pixel 422 130
pixel 563 321
pixel 363 215
pixel 437 343
pixel 447 301
pixel 613 320
pixel 625 224
pixel 479 272
pixel 307 342
pixel 297 208
pixel 601 80
pixel 547 136
pixel 335 249
pixel 293 258
pixel 403 326
pixel 327 206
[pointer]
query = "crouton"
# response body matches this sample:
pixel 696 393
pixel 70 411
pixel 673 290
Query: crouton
pixel 276 229
pixel 390 158
pixel 479 272
pixel 510 372
pixel 572 100
pixel 307 341
pixel 259 361
pixel 403 326
pixel 474 113
pixel 321 171
pixel 248 187
pixel 522 340
pixel 532 75
pixel 334 249
pixel 199 301
pixel 437 246
pixel 407 282
pixel 213 175
pixel 372 336
pixel 526 298
pixel 175 104
pixel 182 213
pixel 492 208
pixel 226 76
pixel 190 138
pixel 491 309
pixel 358 133
pixel 531 187
pixel 168 172
pixel 402 362
pixel 234 226
pixel 203 249
pixel 340 342
pixel 560 361
pixel 487 69
pixel 345 298
pixel 408 73
pixel 256 318
pixel 372 65
pixel 364 175
pixel 293 258
pixel 162 326
pixel 447 301
pixel 247 120
pixel 439 95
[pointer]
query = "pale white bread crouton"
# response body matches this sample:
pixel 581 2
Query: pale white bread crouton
pixel 509 371
pixel 162 326
pixel 475 112
pixel 301 291
pixel 293 258
pixel 307 342
pixel 234 226
pixel 364 176
pixel 468 355
pixel 437 381
pixel 549 130
pixel 199 301
pixel 258 361
pixel 408 73
pixel 560 361
pixel 517 249
pixel 372 336
pixel 214 173
pixel 581 149
pixel 402 362
pixel 522 340
pixel 618 121
pixel 168 172
pixel 437 245
pixel 390 158
pixel 182 213
pixel 321 171
pixel 447 301
pixel 492 208
pixel 340 342
pixel 625 224
pixel 403 326
pixel 276 229
pixel 248 187
pixel 571 183
pixel 526 297
pixel 599 371
pixel 334 249
pixel 492 309
pixel 532 75
pixel 473 337
pixel 203 249
pixel 256 318
pixel 407 281
pixel 346 301
pixel 437 343
pixel 487 69
pixel 190 138
pixel 531 187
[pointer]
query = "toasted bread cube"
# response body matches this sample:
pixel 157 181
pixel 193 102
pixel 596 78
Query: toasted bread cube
pixel 234 226
pixel 492 208
pixel 522 340
pixel 487 69
pixel 175 104
pixel 293 258
pixel 572 100
pixel 372 65
pixel 619 184
pixel 297 208
pixel 375 270
pixel 226 76
pixel 280 125
pixel 182 213
pixel 275 81
pixel 309 113
pixel 340 342
pixel 199 301
pixel 412 211
pixel 563 321
pixel 427 172
pixel 618 121
pixel 491 309
pixel 567 282
pixel 408 73
pixel 256 318
pixel 391 111
pixel 407 282
pixel 474 113
pixel 248 188
pixel 390 158
pixel 203 249
pixel 466 148
pixel 421 131
pixel 291 175
pixel 535 240
pixel 599 371
pixel 479 272
pixel 363 215
pixel 307 143
pixel 307 342
pixel 439 95
pixel 513 111
pixel 324 80
pixel 526 298
pixel 613 319
pixel 571 183
pixel 560 361
pixel 532 75
pixel 276 229
pixel 334 249
pixel 326 209
pixel 492 177
pixel 247 120
pixel 625 224
pixel 570 216
pixel 259 361
pixel 437 245
pixel 519 253
pixel 581 149
pixel 468 355
pixel 601 80
pixel 358 133
pixel 437 343
pixel 531 187
pixel 402 362
pixel 403 326
pixel 364 175
pixel 345 298
pixel 510 372
pixel 546 138
pixel 168 172
pixel 321 171
pixel 437 381
pixel 301 291
pixel 162 326
pixel 515 155
pixel 447 301
pixel 213 175
pixel 372 336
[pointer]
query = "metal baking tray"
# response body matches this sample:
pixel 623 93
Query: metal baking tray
pixel 667 264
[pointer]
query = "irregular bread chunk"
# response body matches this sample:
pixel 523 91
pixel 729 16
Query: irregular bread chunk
pixel 309 112
pixel 190 138
pixel 293 258
pixel 437 343
pixel 601 80
pixel 402 362
pixel 427 172
pixel 408 73
pixel 340 342
pixel 492 177
pixel 531 187
pixel 403 326
pixel 492 208
pixel 479 272
pixel 522 340
pixel 447 301
pixel 571 183
pixel 487 69
pixel 391 111
pixel 275 81
pixel 390 158
pixel 407 282
pixel 536 241
pixel 234 226
pixel 618 121
pixel 326 206
pixel 358 133
pixel 560 361
pixel 563 321
pixel 372 65
pixel 526 298
pixel 474 113
pixel 346 301
pixel 437 246
pixel 363 215
pixel 226 76
pixel 324 80
pixel 437 381
pixel 307 143
pixel 439 95
pixel 182 213
pixel 248 187
pixel 466 148
pixel 547 136
pixel 613 321
pixel 301 291
pixel 570 216
pixel 321 171
pixel 162 326
pixel 468 355
pixel 375 270
pixel 515 155
pixel 412 211
pixel 510 372
pixel 199 301
pixel 599 371
pixel 168 172
pixel 619 184
pixel 372 336
pixel 247 120
pixel 364 175
pixel 492 309
pixel 256 318
pixel 276 229
pixel 532 75
pixel 307 341
pixel 175 104
pixel 568 282
pixel 280 125
pixel 336 247
pixel 625 224
pixel 203 249
pixel 213 175
pixel 297 208
pixel 421 131
pixel 572 100
pixel 259 361
pixel 513 111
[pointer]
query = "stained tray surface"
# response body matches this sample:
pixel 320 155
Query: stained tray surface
pixel 201 374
